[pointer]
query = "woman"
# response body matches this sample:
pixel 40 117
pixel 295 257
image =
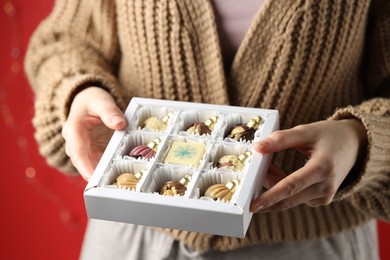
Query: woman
pixel 325 65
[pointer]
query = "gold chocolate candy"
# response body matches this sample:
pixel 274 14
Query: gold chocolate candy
pixel 246 132
pixel 211 122
pixel 255 122
pixel 223 192
pixel 157 124
pixel 171 188
pixel 233 162
pixel 128 180
pixel 203 128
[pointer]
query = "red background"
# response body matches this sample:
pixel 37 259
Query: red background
pixel 43 215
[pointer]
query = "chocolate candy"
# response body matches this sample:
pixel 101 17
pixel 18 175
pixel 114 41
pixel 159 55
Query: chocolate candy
pixel 171 188
pixel 242 132
pixel 157 124
pixel 145 151
pixel 223 192
pixel 233 162
pixel 185 153
pixel 128 180
pixel 199 128
pixel 203 128
pixel 245 132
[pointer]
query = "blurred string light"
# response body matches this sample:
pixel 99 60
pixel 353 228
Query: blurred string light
pixel 30 172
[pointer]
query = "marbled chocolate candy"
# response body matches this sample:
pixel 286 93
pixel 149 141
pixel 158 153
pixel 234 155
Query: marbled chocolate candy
pixel 199 128
pixel 247 131
pixel 233 162
pixel 203 127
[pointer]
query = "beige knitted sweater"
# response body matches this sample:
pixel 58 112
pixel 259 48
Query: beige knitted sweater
pixel 310 59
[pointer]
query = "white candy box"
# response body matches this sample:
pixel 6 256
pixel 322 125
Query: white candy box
pixel 191 158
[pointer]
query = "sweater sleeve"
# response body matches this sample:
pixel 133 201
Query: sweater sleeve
pixel 74 47
pixel 369 191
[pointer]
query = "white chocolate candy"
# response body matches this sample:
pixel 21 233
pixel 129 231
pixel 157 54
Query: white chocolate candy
pixel 186 153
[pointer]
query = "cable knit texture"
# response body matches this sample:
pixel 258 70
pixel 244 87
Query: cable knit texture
pixel 310 59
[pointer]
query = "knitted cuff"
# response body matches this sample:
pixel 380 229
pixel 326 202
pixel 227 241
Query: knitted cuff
pixel 52 107
pixel 70 87
pixel 354 179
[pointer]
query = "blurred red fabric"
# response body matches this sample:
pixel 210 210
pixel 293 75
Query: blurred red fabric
pixel 43 215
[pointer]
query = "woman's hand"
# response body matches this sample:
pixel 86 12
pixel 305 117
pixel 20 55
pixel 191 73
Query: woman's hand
pixel 332 148
pixel 92 118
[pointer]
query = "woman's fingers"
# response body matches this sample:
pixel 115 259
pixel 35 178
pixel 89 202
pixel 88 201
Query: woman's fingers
pixel 290 186
pixel 108 112
pixel 296 137
pixel 273 176
pixel 322 201
pixel 333 148
pixel 77 145
pixel 317 194
pixel 86 131
pixel 96 103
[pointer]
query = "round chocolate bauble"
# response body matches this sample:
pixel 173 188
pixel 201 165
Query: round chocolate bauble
pixel 171 188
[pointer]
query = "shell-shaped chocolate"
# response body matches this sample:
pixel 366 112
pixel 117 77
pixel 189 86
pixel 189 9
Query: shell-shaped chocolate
pixel 128 180
pixel 171 188
pixel 154 123
pixel 223 192
pixel 157 124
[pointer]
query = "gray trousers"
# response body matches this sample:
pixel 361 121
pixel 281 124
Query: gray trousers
pixel 106 240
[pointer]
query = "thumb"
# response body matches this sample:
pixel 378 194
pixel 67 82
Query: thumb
pixel 99 104
pixel 110 113
pixel 113 117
